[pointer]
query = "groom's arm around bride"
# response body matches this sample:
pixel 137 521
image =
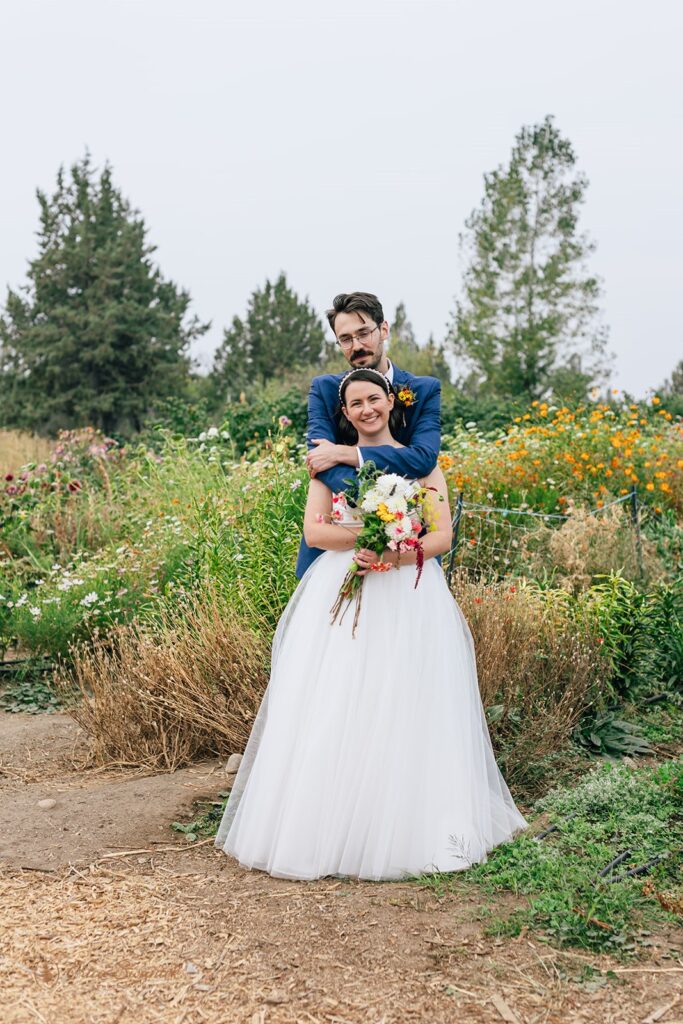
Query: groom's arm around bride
pixel 359 326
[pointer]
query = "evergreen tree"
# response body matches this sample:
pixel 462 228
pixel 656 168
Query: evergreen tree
pixel 423 360
pixel 674 385
pixel 279 332
pixel 97 335
pixel 672 390
pixel 401 330
pixel 528 317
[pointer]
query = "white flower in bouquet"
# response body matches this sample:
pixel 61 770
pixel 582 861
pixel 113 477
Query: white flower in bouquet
pixel 390 482
pixel 397 503
pixel 399 529
pixel 371 501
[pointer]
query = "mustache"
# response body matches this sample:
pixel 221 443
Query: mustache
pixel 360 355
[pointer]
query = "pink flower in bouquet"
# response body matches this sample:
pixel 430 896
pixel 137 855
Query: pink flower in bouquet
pixel 9 476
pixel 10 489
pixel 284 422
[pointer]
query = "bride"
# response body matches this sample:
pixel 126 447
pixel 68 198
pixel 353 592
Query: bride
pixel 370 755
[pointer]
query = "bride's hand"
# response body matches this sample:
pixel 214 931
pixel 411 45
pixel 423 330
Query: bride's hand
pixel 364 559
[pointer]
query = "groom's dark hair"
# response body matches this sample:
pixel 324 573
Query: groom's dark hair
pixel 356 302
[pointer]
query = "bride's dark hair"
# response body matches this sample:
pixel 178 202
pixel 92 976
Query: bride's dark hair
pixel 346 432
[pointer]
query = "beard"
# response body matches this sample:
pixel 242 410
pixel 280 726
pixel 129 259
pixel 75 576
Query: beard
pixel 373 359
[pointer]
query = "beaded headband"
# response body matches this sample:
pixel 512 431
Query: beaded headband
pixel 363 369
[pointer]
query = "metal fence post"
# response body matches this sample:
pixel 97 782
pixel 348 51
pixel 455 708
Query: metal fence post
pixel 456 531
pixel 635 523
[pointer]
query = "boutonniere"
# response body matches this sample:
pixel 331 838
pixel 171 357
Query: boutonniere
pixel 407 396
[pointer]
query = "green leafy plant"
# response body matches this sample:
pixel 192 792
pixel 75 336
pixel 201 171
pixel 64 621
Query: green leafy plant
pixel 570 894
pixel 26 687
pixel 206 823
pixel 609 736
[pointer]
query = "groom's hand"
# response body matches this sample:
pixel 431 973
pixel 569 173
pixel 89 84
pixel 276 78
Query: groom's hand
pixel 325 454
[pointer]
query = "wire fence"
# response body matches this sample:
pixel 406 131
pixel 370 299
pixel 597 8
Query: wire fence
pixel 492 541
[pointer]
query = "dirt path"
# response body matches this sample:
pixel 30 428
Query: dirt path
pixel 182 935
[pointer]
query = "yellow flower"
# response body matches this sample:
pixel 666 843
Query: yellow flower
pixel 655 400
pixel 649 486
pixel 384 514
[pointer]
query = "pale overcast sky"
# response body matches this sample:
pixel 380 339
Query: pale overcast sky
pixel 345 142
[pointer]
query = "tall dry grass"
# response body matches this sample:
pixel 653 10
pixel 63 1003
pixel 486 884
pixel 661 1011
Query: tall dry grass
pixel 586 546
pixel 538 671
pixel 165 696
pixel 188 686
pixel 17 448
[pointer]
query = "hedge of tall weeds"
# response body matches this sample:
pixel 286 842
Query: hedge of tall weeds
pixel 124 562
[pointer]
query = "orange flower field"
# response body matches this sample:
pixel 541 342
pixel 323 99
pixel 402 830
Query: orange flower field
pixel 552 455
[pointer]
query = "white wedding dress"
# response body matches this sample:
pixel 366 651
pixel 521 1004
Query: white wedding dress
pixel 369 757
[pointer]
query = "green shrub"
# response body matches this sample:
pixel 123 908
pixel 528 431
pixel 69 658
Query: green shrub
pixel 246 540
pixel 612 810
pixel 642 633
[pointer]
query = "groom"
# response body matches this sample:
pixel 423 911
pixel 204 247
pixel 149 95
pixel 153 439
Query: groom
pixel 358 323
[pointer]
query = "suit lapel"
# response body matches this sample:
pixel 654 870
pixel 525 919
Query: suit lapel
pixel 401 376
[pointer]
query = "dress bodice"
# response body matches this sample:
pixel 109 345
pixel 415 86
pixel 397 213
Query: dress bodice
pixel 342 514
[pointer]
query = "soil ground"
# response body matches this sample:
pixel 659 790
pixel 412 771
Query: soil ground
pixel 109 917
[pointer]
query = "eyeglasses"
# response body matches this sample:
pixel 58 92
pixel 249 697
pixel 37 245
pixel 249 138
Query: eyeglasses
pixel 347 340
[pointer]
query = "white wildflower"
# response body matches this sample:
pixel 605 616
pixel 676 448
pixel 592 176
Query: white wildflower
pixel 212 432
pixel 396 503
pixel 89 599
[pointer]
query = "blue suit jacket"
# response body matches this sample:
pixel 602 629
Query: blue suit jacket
pixel 421 436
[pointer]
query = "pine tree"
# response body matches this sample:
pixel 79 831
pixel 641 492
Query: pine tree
pixel 528 318
pixel 97 335
pixel 423 360
pixel 674 385
pixel 279 333
pixel 671 390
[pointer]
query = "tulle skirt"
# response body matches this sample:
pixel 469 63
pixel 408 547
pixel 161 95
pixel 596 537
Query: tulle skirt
pixel 370 757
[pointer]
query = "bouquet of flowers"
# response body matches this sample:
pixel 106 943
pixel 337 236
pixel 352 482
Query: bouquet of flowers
pixel 395 513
